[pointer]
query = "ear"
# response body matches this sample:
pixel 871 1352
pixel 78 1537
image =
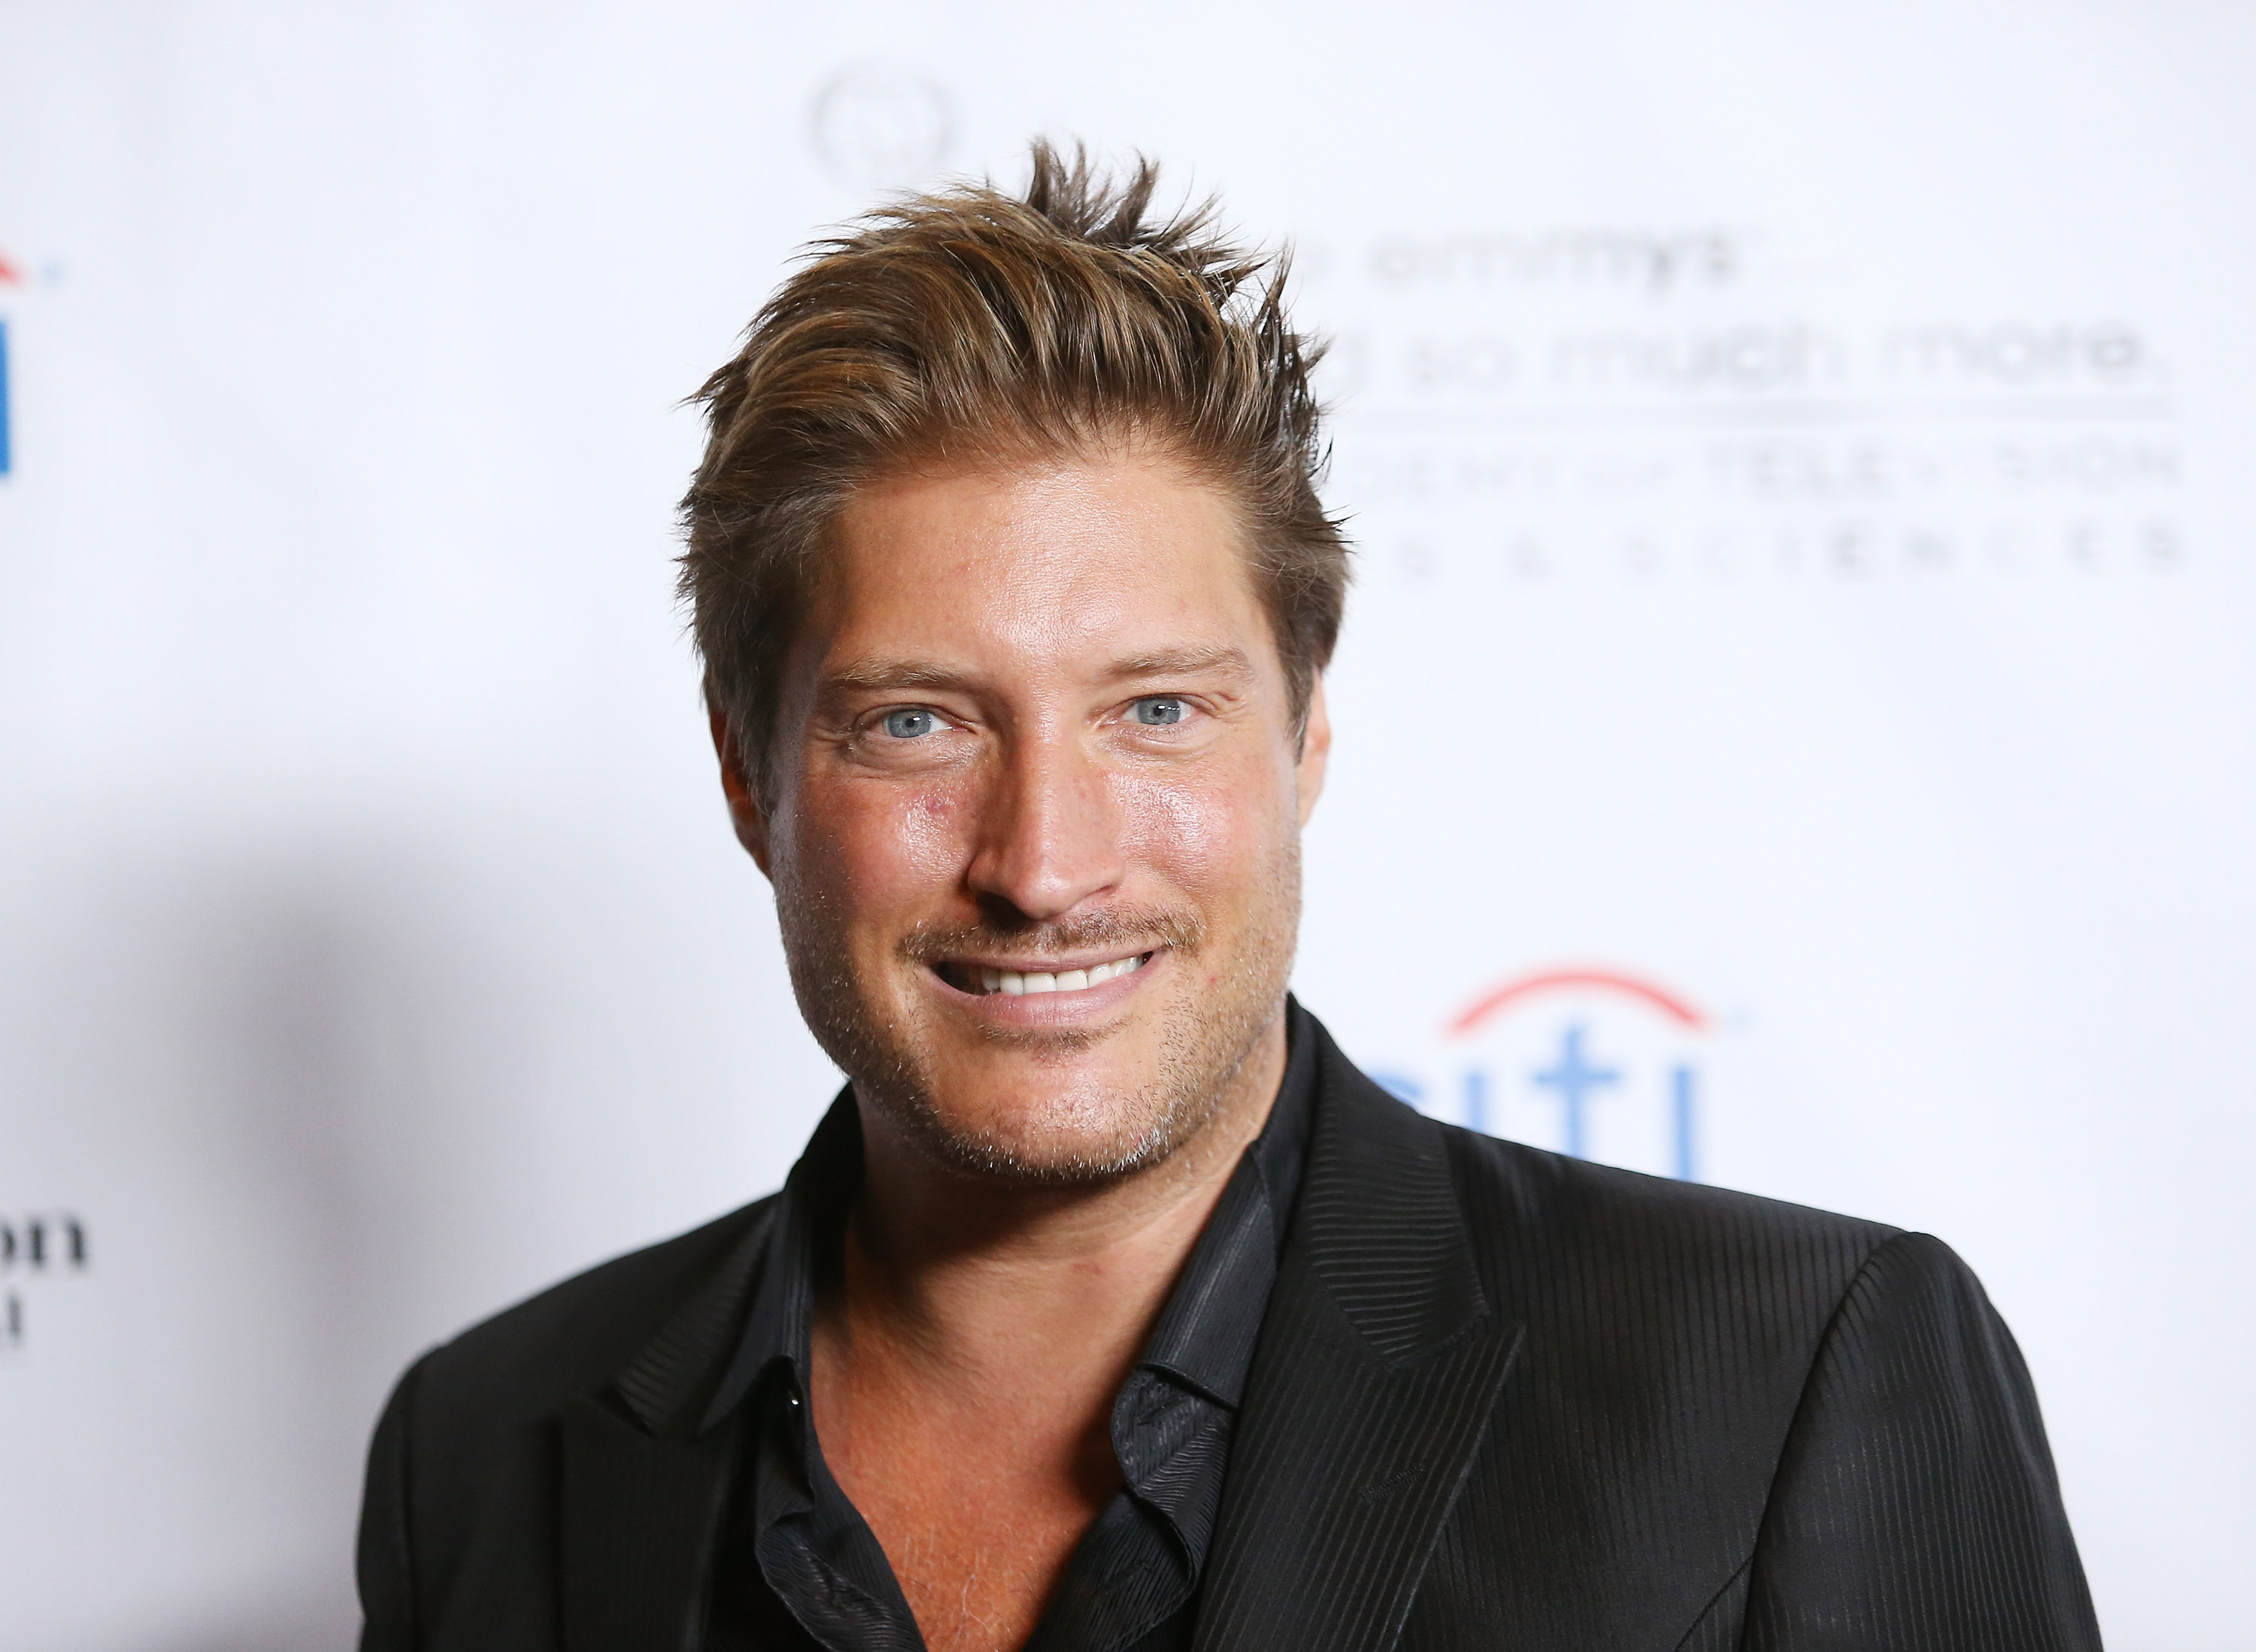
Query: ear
pixel 1316 750
pixel 745 813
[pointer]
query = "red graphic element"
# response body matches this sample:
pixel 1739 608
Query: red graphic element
pixel 1494 1002
pixel 9 272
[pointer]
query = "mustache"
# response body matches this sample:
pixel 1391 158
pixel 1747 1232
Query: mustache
pixel 1128 929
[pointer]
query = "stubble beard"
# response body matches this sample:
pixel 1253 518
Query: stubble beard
pixel 1078 1136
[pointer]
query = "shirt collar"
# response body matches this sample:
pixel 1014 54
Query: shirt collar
pixel 814 1200
pixel 1205 1333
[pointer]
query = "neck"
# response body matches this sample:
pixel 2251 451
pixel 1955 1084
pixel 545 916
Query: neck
pixel 967 1355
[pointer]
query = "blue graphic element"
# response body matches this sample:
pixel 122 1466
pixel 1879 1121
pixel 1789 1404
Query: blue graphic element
pixel 1477 1100
pixel 1683 1098
pixel 1574 1078
pixel 5 454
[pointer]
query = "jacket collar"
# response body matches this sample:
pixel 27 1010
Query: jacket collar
pixel 1379 1365
pixel 645 1487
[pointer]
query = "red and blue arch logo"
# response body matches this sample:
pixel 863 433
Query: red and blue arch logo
pixel 1595 1061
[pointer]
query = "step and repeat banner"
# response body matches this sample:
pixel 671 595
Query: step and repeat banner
pixel 1796 718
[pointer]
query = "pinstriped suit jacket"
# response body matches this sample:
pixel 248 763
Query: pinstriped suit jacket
pixel 1501 1400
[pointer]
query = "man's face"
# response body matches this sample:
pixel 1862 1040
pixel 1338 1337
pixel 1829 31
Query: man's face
pixel 1035 840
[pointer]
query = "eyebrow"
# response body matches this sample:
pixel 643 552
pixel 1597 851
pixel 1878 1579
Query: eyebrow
pixel 1226 661
pixel 881 676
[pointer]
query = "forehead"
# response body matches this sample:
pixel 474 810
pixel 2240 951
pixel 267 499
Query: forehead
pixel 1051 562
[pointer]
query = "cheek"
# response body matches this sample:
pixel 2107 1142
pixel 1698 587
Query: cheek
pixel 1217 831
pixel 878 850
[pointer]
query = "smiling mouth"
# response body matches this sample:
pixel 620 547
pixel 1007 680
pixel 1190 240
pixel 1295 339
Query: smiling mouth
pixel 981 980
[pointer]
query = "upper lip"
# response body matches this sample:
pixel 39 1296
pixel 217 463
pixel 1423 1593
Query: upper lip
pixel 1049 966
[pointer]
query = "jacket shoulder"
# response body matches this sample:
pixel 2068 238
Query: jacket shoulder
pixel 572 1337
pixel 1622 1216
pixel 458 1516
pixel 1669 1331
pixel 1675 1299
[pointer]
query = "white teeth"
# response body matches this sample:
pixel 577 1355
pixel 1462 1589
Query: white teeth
pixel 1017 983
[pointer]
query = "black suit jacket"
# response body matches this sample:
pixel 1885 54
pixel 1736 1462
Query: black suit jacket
pixel 1501 1400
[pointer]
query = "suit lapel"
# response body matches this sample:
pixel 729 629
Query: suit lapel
pixel 645 1485
pixel 641 1516
pixel 1379 1364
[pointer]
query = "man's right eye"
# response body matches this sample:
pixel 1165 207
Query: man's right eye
pixel 910 726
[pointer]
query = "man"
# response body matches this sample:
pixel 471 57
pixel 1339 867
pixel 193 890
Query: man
pixel 1111 1307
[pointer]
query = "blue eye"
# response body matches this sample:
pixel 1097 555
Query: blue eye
pixel 909 725
pixel 1159 710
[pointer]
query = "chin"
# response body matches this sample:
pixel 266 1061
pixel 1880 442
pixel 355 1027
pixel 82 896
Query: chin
pixel 1082 1135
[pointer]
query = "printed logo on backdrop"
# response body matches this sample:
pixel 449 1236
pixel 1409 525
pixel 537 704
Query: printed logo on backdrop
pixel 37 1249
pixel 1595 1062
pixel 1701 404
pixel 12 279
pixel 876 124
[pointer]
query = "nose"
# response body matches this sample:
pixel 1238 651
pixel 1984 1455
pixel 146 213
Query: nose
pixel 1049 833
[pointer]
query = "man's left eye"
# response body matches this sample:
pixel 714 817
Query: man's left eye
pixel 910 726
pixel 1157 712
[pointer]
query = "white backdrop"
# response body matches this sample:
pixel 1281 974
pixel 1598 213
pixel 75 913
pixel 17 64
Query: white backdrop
pixel 1796 720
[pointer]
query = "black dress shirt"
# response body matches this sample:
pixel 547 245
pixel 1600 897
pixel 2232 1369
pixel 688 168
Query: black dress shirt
pixel 799 1567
